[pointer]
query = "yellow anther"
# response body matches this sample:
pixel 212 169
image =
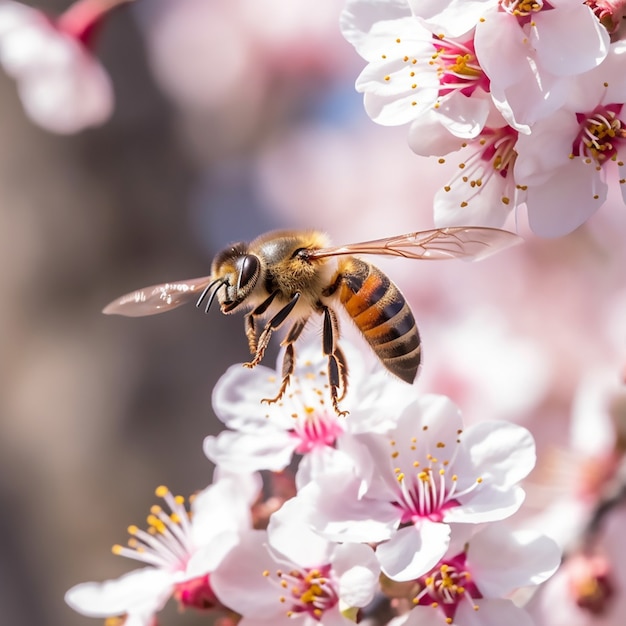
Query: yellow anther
pixel 161 491
pixel 117 549
pixel 266 573
pixel 132 530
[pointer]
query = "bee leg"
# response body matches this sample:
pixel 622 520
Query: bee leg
pixel 343 371
pixel 274 324
pixel 337 370
pixel 251 326
pixel 289 359
pixel 251 333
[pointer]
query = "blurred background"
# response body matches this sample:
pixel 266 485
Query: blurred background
pixel 229 124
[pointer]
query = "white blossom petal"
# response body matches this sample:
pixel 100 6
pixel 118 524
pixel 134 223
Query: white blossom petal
pixel 494 550
pixel 413 550
pixel 143 591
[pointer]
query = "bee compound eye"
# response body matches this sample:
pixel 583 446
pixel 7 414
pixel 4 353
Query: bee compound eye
pixel 250 267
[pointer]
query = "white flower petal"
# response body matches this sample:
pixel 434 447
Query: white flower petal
pixel 561 53
pixel 567 200
pixel 289 534
pixel 358 571
pixel 359 16
pixel 413 550
pixel 500 452
pixel 224 506
pixel 501 561
pixel 492 613
pixel 142 591
pixel 267 449
pixel 239 581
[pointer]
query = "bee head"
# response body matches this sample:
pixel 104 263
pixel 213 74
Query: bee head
pixel 238 272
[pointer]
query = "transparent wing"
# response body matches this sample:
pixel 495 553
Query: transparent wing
pixel 158 298
pixel 469 243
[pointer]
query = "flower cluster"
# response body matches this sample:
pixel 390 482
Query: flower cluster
pixel 529 95
pixel 396 500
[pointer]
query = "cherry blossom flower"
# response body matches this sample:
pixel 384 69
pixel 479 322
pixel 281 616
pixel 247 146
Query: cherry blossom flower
pixel 588 589
pixel 528 50
pixel 180 549
pixel 471 586
pixel 62 86
pixel 408 485
pixel 564 161
pixel 291 573
pixel 303 422
pixel 483 191
pixel 413 72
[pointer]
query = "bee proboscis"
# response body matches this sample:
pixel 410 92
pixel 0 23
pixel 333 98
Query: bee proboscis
pixel 290 275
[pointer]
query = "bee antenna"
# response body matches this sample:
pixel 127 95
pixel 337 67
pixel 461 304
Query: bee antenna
pixel 205 291
pixel 222 283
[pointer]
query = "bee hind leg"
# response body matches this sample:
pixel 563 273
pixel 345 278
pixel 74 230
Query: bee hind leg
pixel 273 324
pixel 337 366
pixel 289 359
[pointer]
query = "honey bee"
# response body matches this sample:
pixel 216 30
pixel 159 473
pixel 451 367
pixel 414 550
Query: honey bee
pixel 287 276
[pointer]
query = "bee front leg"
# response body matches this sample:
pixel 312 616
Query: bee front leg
pixel 251 332
pixel 337 367
pixel 273 324
pixel 289 359
pixel 250 325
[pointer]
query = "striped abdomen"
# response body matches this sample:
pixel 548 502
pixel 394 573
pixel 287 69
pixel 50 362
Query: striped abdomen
pixel 383 316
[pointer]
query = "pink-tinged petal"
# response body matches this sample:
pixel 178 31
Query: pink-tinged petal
pixel 205 559
pixel 289 534
pixel 499 452
pixel 429 137
pixel 394 39
pixel 339 515
pixel 224 506
pixel 566 201
pixel 622 177
pixel 486 504
pixel 493 550
pixel 490 612
pixel 394 102
pixel 452 17
pixel 15 15
pixel 236 399
pixel 546 149
pixel 465 117
pixel 532 98
pixel 359 16
pixel 501 47
pixel 320 461
pixel 239 581
pixel 563 54
pixel 358 571
pixel 269 449
pixel 142 591
pixel 413 550
pixel 69 101
pixel 461 202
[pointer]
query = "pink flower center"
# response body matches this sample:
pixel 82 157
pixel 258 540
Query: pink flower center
pixel 458 68
pixel 429 490
pixel 446 586
pixel 601 134
pixel 609 12
pixel 307 591
pixel 315 430
pixel 590 582
pixel 197 594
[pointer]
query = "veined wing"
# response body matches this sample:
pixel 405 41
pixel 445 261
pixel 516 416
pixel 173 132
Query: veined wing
pixel 469 243
pixel 159 298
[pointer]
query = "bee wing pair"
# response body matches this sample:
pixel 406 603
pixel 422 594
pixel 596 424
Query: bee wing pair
pixel 464 242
